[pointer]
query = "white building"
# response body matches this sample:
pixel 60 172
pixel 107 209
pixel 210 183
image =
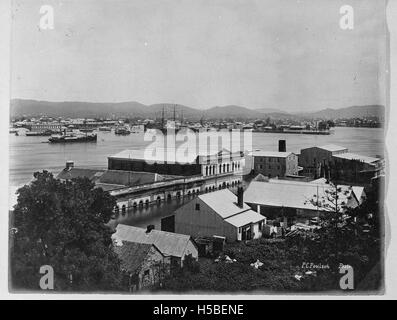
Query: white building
pixel 219 213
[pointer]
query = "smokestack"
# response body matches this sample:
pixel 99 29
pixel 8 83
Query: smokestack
pixel 69 165
pixel 240 194
pixel 149 228
pixel 282 147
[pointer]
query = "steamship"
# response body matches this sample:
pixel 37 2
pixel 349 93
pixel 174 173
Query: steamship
pixel 73 137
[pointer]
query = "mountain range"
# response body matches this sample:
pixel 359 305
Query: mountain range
pixel 24 107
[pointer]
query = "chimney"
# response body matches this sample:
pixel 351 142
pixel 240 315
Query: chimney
pixel 69 165
pixel 282 146
pixel 240 193
pixel 149 228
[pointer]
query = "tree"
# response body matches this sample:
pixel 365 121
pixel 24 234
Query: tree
pixel 63 224
pixel 347 236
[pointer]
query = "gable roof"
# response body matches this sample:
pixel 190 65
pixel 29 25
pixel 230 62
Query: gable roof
pixel 294 194
pixel 245 218
pixel 169 243
pixel 132 255
pixel 223 202
pixel 332 147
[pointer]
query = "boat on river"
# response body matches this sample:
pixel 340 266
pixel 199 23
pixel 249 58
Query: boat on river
pixel 39 133
pixel 73 137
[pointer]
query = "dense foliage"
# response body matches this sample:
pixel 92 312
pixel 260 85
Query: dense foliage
pixel 309 262
pixel 63 225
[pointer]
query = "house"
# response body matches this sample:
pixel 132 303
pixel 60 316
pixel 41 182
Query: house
pixel 275 198
pixel 144 264
pixel 176 246
pixel 219 213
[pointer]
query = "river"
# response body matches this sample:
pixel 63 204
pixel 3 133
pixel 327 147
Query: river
pixel 30 154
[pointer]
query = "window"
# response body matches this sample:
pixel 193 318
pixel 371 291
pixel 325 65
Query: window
pixel 197 206
pixel 146 273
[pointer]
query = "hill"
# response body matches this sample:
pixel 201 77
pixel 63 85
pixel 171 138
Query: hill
pixel 22 107
pixel 349 112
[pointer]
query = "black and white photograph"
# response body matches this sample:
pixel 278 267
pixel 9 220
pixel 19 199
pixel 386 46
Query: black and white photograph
pixel 180 147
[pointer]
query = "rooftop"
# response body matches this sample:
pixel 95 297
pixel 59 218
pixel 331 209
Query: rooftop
pixel 112 179
pixel 72 173
pixel 274 154
pixel 132 255
pixel 169 243
pixel 298 194
pixel 223 202
pixel 128 178
pixel 245 218
pixel 354 156
pixel 169 155
pixel 332 147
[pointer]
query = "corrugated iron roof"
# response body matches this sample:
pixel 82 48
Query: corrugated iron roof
pixel 169 244
pixel 354 156
pixel 223 202
pixel 332 147
pixel 294 194
pixel 245 218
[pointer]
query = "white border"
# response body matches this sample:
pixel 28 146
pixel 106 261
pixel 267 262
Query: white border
pixel 391 202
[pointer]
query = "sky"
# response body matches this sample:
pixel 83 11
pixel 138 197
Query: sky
pixel 284 54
